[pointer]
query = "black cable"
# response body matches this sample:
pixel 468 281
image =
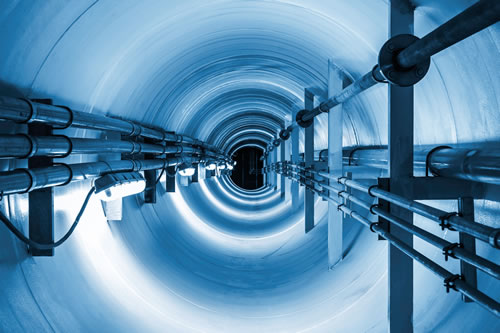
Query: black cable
pixel 159 177
pixel 47 246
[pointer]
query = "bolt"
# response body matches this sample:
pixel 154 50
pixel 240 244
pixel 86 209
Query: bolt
pixel 390 46
pixel 391 74
pixel 420 72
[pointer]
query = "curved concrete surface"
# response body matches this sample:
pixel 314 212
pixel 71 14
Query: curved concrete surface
pixel 210 257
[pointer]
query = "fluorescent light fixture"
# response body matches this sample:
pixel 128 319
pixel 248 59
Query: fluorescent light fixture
pixel 222 166
pixel 189 171
pixel 211 166
pixel 230 167
pixel 118 185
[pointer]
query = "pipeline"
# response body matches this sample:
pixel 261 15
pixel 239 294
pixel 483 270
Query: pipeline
pixel 27 111
pixel 404 59
pixel 27 180
pixel 452 281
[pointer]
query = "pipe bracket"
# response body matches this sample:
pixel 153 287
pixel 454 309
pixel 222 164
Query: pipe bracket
pixel 392 71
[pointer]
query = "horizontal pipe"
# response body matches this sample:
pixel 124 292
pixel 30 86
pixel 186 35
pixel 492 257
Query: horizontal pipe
pixel 23 146
pixel 469 164
pixel 480 231
pixel 459 285
pixel 475 164
pixel 472 20
pixel 460 253
pixel 25 111
pixel 27 180
pixel 366 81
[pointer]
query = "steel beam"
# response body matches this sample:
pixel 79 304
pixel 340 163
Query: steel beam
pixel 335 167
pixel 170 179
pixel 41 202
pixel 468 242
pixel 282 159
pixel 400 142
pixel 309 163
pixel 295 158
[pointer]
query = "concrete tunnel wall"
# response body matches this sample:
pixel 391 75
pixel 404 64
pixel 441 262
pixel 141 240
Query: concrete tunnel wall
pixel 210 257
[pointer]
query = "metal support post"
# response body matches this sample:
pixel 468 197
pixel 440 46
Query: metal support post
pixel 282 177
pixel 335 167
pixel 295 159
pixel 170 179
pixel 41 201
pixel 274 173
pixel 309 163
pixel 468 242
pixel 400 268
pixel 196 176
pixel 150 176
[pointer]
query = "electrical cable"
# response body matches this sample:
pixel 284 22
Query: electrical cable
pixel 47 246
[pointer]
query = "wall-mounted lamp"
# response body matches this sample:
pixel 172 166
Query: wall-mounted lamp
pixel 211 166
pixel 118 185
pixel 187 170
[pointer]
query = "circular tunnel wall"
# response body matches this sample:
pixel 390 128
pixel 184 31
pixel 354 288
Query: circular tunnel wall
pixel 213 257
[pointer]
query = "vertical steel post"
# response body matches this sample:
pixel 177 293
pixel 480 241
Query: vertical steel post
pixel 468 272
pixel 282 177
pixel 309 163
pixel 294 141
pixel 400 141
pixel 335 166
pixel 275 174
pixel 170 179
pixel 41 201
pixel 150 176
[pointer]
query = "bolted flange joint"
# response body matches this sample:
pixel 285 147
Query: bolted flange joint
pixel 284 134
pixel 392 71
pixel 302 123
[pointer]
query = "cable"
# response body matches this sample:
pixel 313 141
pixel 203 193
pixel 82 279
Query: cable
pixel 47 246
pixel 159 177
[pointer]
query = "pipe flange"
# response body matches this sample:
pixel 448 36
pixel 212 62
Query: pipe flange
pixel 284 134
pixel 395 74
pixel 302 123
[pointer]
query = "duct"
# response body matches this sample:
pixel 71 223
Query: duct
pixel 210 257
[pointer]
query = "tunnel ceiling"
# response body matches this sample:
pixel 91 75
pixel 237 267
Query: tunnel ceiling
pixel 212 257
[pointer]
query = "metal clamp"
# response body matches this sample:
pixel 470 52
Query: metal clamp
pixel 70 173
pixel 370 190
pixel 449 282
pixel 303 123
pixel 372 225
pixel 70 149
pixel 33 111
pixel 448 250
pixel 373 206
pixel 70 120
pixel 428 159
pixel 444 221
pixel 395 74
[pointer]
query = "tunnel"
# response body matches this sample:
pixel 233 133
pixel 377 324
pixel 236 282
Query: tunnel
pixel 227 251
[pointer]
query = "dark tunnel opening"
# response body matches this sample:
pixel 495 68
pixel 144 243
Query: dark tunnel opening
pixel 246 173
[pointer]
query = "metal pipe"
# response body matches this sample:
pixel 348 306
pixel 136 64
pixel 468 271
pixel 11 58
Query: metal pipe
pixel 26 180
pixel 470 164
pixel 456 284
pixel 472 20
pixel 24 146
pixel 460 253
pixel 366 81
pixel 26 111
pixel 480 231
